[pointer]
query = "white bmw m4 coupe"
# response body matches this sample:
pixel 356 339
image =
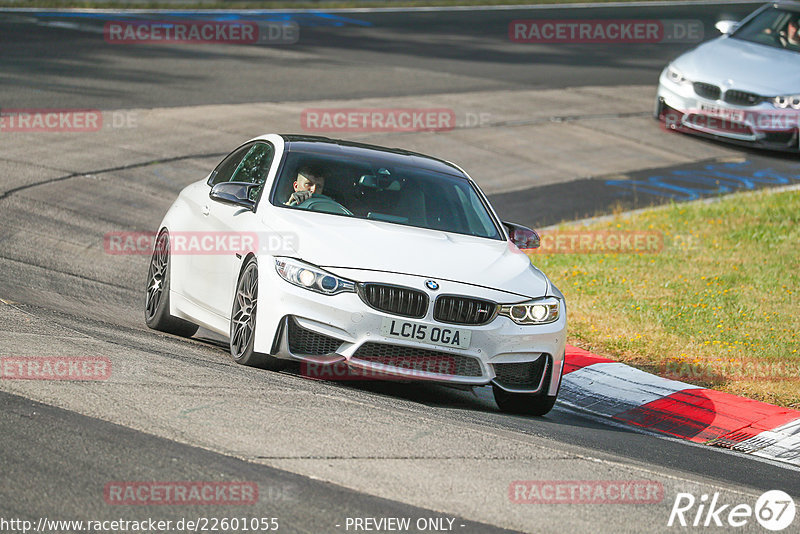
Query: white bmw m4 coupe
pixel 386 262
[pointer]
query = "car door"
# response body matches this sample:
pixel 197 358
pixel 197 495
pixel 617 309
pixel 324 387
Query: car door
pixel 235 226
pixel 198 268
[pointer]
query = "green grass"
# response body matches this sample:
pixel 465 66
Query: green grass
pixel 717 306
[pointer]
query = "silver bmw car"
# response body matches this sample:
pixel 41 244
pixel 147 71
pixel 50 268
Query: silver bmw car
pixel 742 87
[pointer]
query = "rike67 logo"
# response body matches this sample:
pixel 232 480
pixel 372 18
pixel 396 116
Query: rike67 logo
pixel 774 510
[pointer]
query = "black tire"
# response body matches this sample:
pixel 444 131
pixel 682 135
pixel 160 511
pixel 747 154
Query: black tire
pixel 523 403
pixel 243 322
pixel 537 404
pixel 657 109
pixel 156 307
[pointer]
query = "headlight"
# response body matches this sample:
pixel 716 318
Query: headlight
pixel 539 311
pixel 312 278
pixel 675 76
pixel 787 102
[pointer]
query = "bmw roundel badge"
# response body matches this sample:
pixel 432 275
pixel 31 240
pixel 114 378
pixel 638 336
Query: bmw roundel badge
pixel 432 285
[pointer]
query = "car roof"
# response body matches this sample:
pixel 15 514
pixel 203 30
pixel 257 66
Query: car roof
pixel 795 6
pixel 392 156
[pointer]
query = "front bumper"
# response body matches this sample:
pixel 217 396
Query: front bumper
pixel 294 323
pixel 680 108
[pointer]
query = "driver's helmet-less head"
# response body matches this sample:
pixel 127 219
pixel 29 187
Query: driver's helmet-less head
pixel 309 179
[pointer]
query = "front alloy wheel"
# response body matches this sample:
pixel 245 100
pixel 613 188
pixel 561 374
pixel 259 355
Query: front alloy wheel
pixel 243 322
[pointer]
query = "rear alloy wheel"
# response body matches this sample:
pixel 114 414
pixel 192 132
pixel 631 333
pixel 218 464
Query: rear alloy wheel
pixel 527 403
pixel 243 322
pixel 156 311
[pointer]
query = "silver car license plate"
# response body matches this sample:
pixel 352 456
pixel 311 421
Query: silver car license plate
pixel 735 115
pixel 444 336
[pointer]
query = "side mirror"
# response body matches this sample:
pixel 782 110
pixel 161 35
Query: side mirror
pixel 726 26
pixel 235 193
pixel 523 237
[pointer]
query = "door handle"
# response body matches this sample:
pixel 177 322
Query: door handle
pixel 206 210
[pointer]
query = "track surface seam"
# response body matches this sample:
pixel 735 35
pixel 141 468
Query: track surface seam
pixel 16 190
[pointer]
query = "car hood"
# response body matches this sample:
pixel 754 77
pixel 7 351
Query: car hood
pixel 733 63
pixel 332 241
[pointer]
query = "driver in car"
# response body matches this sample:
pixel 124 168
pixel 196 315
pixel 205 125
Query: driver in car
pixel 308 182
pixel 790 35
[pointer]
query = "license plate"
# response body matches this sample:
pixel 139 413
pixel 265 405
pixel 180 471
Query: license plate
pixel 425 333
pixel 723 113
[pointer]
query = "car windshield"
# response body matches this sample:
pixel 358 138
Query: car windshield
pixel 381 190
pixel 772 27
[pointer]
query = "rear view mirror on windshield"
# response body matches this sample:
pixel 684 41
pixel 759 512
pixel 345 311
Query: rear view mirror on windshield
pixel 381 180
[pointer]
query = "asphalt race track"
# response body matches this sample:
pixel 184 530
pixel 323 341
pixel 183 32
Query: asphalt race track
pixel 320 453
pixel 45 62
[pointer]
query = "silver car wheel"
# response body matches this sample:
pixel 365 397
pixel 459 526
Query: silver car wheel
pixel 156 275
pixel 244 311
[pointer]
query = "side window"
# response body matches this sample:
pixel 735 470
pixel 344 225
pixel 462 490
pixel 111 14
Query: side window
pixel 228 166
pixel 254 168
